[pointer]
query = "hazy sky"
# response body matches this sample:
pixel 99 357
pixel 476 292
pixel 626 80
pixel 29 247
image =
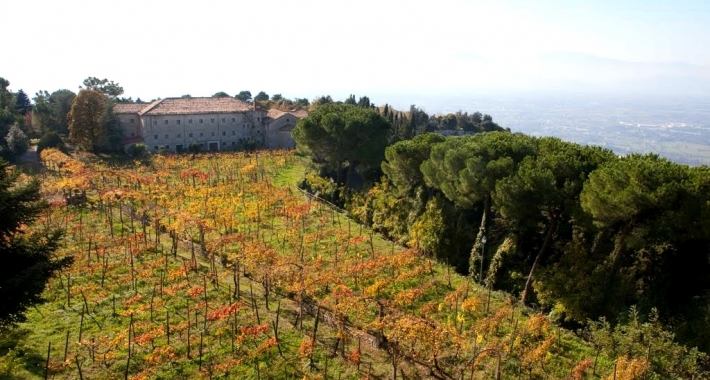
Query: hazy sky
pixel 307 48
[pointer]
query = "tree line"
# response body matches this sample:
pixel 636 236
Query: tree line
pixel 15 117
pixel 573 229
pixel 273 101
pixel 87 118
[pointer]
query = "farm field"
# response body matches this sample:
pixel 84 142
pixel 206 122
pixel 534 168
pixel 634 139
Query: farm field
pixel 215 266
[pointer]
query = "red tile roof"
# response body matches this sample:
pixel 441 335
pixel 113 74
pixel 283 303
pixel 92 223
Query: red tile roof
pixel 299 113
pixel 191 106
pixel 123 108
pixel 274 114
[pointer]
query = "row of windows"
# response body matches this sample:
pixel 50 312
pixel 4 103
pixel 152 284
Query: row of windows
pixel 189 121
pixel 191 134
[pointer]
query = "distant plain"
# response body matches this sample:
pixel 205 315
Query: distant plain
pixel 677 128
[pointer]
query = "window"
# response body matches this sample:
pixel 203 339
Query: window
pixel 234 143
pixel 133 134
pixel 155 137
pixel 167 135
pixel 200 121
pixel 234 119
pixel 190 134
pixel 131 121
pixel 166 122
pixel 201 134
pixel 178 148
pixel 155 147
pixel 179 135
pixel 224 133
pixel 287 120
pixel 155 122
pixel 189 121
pixel 224 120
pixel 212 134
pixel 212 121
pixel 167 147
pixel 258 131
pixel 224 143
pixel 178 121
pixel 234 133
pixel 258 118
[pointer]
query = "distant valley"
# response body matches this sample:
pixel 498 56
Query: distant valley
pixel 660 107
pixel 674 127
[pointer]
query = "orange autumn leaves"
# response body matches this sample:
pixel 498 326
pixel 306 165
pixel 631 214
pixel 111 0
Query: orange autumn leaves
pixel 226 210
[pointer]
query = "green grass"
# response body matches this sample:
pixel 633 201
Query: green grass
pixel 291 173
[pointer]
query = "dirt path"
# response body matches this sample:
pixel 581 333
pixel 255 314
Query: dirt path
pixel 29 157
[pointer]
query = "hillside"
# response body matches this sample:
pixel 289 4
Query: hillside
pixel 213 266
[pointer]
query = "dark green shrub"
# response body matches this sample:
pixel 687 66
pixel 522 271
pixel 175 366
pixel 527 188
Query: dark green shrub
pixel 50 140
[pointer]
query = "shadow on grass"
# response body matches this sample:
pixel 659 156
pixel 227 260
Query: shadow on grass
pixel 14 355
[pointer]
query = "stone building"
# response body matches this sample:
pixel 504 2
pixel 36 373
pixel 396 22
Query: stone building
pixel 130 121
pixel 213 124
pixel 278 127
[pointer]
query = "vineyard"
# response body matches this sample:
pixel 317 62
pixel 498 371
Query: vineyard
pixel 215 266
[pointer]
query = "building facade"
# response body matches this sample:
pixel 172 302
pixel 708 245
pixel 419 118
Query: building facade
pixel 130 121
pixel 278 127
pixel 212 124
